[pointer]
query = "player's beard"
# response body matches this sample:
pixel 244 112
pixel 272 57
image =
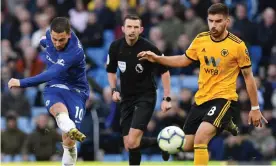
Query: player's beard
pixel 216 34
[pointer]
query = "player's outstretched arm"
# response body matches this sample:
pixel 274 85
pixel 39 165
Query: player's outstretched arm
pixel 255 115
pixel 64 62
pixel 171 61
pixel 45 76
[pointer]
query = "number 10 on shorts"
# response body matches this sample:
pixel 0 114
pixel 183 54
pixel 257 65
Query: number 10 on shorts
pixel 79 113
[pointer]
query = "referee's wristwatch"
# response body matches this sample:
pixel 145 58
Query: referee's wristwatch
pixel 168 99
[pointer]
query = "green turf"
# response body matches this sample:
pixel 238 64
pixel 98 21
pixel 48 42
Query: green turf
pixel 174 163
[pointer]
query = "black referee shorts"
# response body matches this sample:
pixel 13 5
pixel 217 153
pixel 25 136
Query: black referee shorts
pixel 136 111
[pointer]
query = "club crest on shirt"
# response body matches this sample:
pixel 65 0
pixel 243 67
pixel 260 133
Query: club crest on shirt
pixel 47 103
pixel 224 52
pixel 246 52
pixel 139 68
pixel 122 66
pixel 60 62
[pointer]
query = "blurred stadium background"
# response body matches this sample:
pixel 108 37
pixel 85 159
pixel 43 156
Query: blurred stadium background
pixel 28 133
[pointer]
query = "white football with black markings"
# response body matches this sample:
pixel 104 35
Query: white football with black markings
pixel 171 139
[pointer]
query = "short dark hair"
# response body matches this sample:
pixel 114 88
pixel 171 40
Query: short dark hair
pixel 60 24
pixel 218 8
pixel 11 116
pixel 133 17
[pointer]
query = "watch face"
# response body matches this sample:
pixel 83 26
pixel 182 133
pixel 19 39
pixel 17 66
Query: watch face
pixel 168 99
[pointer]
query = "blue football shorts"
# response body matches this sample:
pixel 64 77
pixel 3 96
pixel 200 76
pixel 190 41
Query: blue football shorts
pixel 73 100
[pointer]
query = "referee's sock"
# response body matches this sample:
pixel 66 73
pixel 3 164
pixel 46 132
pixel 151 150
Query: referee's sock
pixel 134 156
pixel 147 142
pixel 64 122
pixel 201 154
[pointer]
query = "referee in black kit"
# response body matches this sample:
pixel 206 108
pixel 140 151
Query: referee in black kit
pixel 138 87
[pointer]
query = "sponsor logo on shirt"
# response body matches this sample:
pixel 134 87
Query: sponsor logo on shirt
pixel 139 68
pixel 49 59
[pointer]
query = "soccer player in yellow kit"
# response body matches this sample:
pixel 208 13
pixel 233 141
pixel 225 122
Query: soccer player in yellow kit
pixel 222 56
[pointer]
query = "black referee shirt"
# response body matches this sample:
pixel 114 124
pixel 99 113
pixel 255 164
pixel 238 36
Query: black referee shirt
pixel 136 76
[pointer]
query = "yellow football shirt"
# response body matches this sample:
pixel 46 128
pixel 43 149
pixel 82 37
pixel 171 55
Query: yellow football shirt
pixel 220 64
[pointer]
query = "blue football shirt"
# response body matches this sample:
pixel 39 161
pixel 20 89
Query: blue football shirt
pixel 65 68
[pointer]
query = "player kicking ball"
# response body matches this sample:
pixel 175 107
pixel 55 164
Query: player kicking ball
pixel 222 56
pixel 67 88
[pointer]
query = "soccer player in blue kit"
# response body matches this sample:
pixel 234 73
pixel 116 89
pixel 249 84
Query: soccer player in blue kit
pixel 67 87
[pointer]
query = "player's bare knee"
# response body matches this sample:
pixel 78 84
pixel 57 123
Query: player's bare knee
pixel 200 137
pixel 58 108
pixel 205 133
pixel 133 143
pixel 201 140
pixel 134 138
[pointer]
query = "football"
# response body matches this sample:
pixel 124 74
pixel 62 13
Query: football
pixel 171 139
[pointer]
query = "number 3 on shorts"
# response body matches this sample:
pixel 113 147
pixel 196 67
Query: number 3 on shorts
pixel 212 111
pixel 79 113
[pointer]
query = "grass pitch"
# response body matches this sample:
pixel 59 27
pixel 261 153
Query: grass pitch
pixel 173 163
pixel 96 163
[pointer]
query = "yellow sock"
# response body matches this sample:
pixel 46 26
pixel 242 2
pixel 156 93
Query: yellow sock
pixel 201 154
